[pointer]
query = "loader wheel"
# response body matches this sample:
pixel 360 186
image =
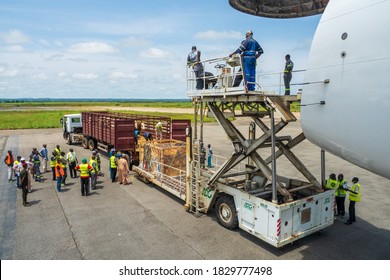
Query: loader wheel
pixel 69 140
pixel 91 144
pixel 84 142
pixel 226 212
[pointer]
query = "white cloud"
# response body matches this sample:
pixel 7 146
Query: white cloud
pixel 122 75
pixel 133 42
pixel 40 76
pixel 14 48
pixel 218 35
pixel 14 37
pixel 61 74
pixel 8 73
pixel 154 53
pixel 89 76
pixel 92 48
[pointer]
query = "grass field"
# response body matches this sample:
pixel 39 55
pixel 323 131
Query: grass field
pixel 15 119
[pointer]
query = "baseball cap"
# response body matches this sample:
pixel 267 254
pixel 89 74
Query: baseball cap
pixel 84 160
pixel 22 159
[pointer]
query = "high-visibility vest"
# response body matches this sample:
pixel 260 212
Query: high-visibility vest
pixel 59 170
pixel 9 159
pixel 58 152
pixel 159 127
pixel 112 162
pixel 63 161
pixel 357 195
pixel 84 170
pixel 91 161
pixel 71 157
pixel 35 159
pixel 332 184
pixel 53 161
pixel 340 192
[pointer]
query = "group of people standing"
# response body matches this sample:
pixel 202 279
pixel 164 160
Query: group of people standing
pixel 23 171
pixel 341 188
pixel 250 50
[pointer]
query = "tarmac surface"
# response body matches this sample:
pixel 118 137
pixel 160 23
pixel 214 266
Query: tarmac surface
pixel 142 222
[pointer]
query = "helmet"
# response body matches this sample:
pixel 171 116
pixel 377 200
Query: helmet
pixel 84 160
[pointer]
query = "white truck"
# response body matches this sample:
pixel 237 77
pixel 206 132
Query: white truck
pixel 72 128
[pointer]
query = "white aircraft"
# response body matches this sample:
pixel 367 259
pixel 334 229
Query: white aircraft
pixel 346 97
pixel 351 49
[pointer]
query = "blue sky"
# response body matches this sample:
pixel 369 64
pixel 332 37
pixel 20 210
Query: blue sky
pixel 130 49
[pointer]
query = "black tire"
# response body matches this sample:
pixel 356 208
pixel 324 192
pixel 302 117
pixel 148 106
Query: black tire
pixel 69 140
pixel 226 212
pixel 91 144
pixel 84 142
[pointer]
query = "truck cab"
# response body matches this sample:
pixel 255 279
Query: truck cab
pixel 72 127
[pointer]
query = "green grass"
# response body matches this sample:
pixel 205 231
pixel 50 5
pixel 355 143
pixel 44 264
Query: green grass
pixel 50 119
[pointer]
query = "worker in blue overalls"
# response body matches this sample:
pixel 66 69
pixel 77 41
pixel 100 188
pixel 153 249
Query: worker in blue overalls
pixel 250 50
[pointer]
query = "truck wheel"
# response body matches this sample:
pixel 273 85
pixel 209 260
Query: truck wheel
pixel 226 212
pixel 91 144
pixel 84 142
pixel 69 140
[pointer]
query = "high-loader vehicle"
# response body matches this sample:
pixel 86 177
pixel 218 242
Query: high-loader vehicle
pixel 245 189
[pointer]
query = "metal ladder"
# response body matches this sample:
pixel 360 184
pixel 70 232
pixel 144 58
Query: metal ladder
pixel 195 177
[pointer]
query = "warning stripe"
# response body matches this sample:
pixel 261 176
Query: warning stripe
pixel 278 223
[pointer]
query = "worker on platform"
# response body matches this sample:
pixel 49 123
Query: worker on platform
pixel 193 59
pixel 85 171
pixel 287 74
pixel 9 161
pixel 355 194
pixel 250 50
pixel 148 136
pixel 159 129
pixel 341 193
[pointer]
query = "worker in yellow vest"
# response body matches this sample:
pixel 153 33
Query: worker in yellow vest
pixel 94 172
pixel 113 167
pixel 355 194
pixel 53 162
pixel 85 171
pixel 64 166
pixel 341 193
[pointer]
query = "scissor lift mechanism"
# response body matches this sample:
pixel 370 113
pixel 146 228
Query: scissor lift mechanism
pixel 256 106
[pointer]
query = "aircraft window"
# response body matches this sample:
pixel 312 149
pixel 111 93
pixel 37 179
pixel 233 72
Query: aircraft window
pixel 344 36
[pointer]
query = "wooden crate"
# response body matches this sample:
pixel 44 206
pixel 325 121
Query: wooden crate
pixel 165 156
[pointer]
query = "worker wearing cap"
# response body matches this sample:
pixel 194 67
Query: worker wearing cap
pixel 355 194
pixel 287 74
pixel 250 50
pixel 159 128
pixel 193 59
pixel 16 170
pixel 85 170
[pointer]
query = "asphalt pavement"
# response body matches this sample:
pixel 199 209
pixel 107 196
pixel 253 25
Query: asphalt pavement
pixel 142 222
